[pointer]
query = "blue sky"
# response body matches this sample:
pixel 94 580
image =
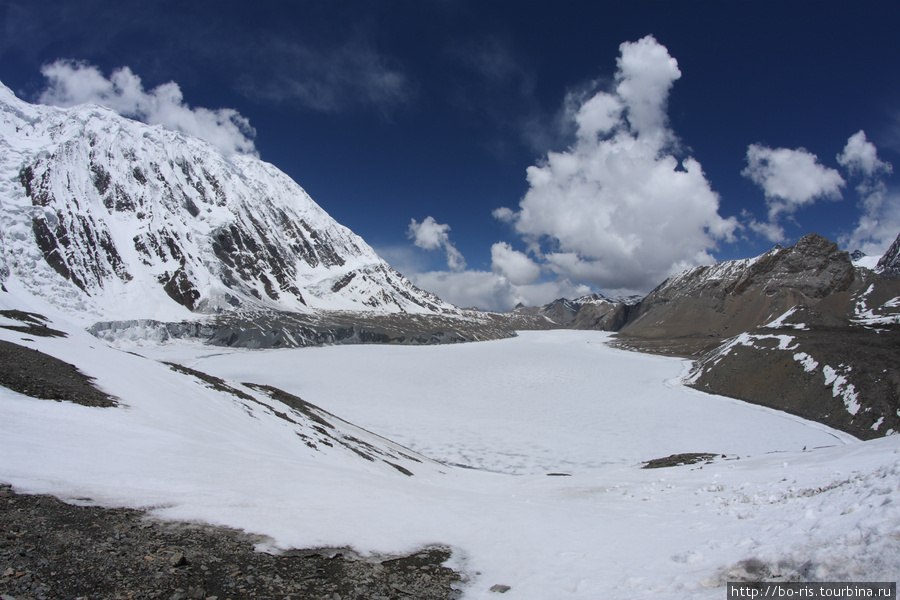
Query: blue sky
pixel 503 151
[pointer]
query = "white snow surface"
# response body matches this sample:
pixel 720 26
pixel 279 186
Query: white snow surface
pixel 796 496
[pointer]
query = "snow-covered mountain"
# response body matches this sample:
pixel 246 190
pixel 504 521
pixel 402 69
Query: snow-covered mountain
pixel 593 311
pixel 115 219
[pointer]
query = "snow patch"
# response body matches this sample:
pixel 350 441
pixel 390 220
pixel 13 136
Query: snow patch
pixel 809 364
pixel 781 322
pixel 841 387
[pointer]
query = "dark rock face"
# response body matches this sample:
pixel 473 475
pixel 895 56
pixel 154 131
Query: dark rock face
pixel 589 312
pixel 798 329
pixel 735 296
pixel 844 377
pixel 603 317
pixel 889 264
pixel 77 247
pixel 40 375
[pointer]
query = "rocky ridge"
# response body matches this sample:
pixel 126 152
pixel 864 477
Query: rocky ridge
pixel 799 329
pixel 889 264
pixel 593 311
pixel 728 298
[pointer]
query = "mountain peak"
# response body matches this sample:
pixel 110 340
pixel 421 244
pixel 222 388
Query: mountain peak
pixel 889 264
pixel 124 220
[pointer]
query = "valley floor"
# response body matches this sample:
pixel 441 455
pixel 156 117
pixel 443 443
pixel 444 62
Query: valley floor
pixel 537 486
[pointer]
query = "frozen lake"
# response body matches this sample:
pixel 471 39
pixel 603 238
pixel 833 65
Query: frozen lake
pixel 546 401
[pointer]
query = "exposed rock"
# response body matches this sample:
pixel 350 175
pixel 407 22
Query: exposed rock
pixel 731 297
pixel 588 312
pixel 40 375
pixel 676 460
pixel 844 377
pixel 889 264
pixel 33 324
pixel 799 329
pixel 602 316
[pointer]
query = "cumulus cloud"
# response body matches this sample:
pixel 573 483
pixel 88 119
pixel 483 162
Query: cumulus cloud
pixel 71 83
pixel 645 76
pixel 861 156
pixel 879 221
pixel 790 178
pixel 490 290
pixel 514 265
pixel 431 235
pixel 878 225
pixel 770 230
pixel 618 209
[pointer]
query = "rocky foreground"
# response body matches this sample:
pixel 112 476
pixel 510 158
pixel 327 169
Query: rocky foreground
pixel 53 550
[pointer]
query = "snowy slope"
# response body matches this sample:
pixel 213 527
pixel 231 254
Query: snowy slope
pixel 189 446
pixel 110 217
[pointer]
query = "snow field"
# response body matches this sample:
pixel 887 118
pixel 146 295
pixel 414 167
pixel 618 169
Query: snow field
pixel 515 409
pixel 543 402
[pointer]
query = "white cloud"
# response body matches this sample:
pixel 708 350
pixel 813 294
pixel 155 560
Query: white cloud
pixel 877 228
pixel 504 214
pixel 861 156
pixel 645 76
pixel 492 291
pixel 514 265
pixel 769 230
pixel 71 83
pixel 616 208
pixel 790 179
pixel 879 221
pixel 599 115
pixel 431 235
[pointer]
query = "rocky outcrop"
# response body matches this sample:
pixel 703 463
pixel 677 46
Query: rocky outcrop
pixel 799 329
pixel 889 264
pixel 602 316
pixel 710 303
pixel 81 550
pixel 844 377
